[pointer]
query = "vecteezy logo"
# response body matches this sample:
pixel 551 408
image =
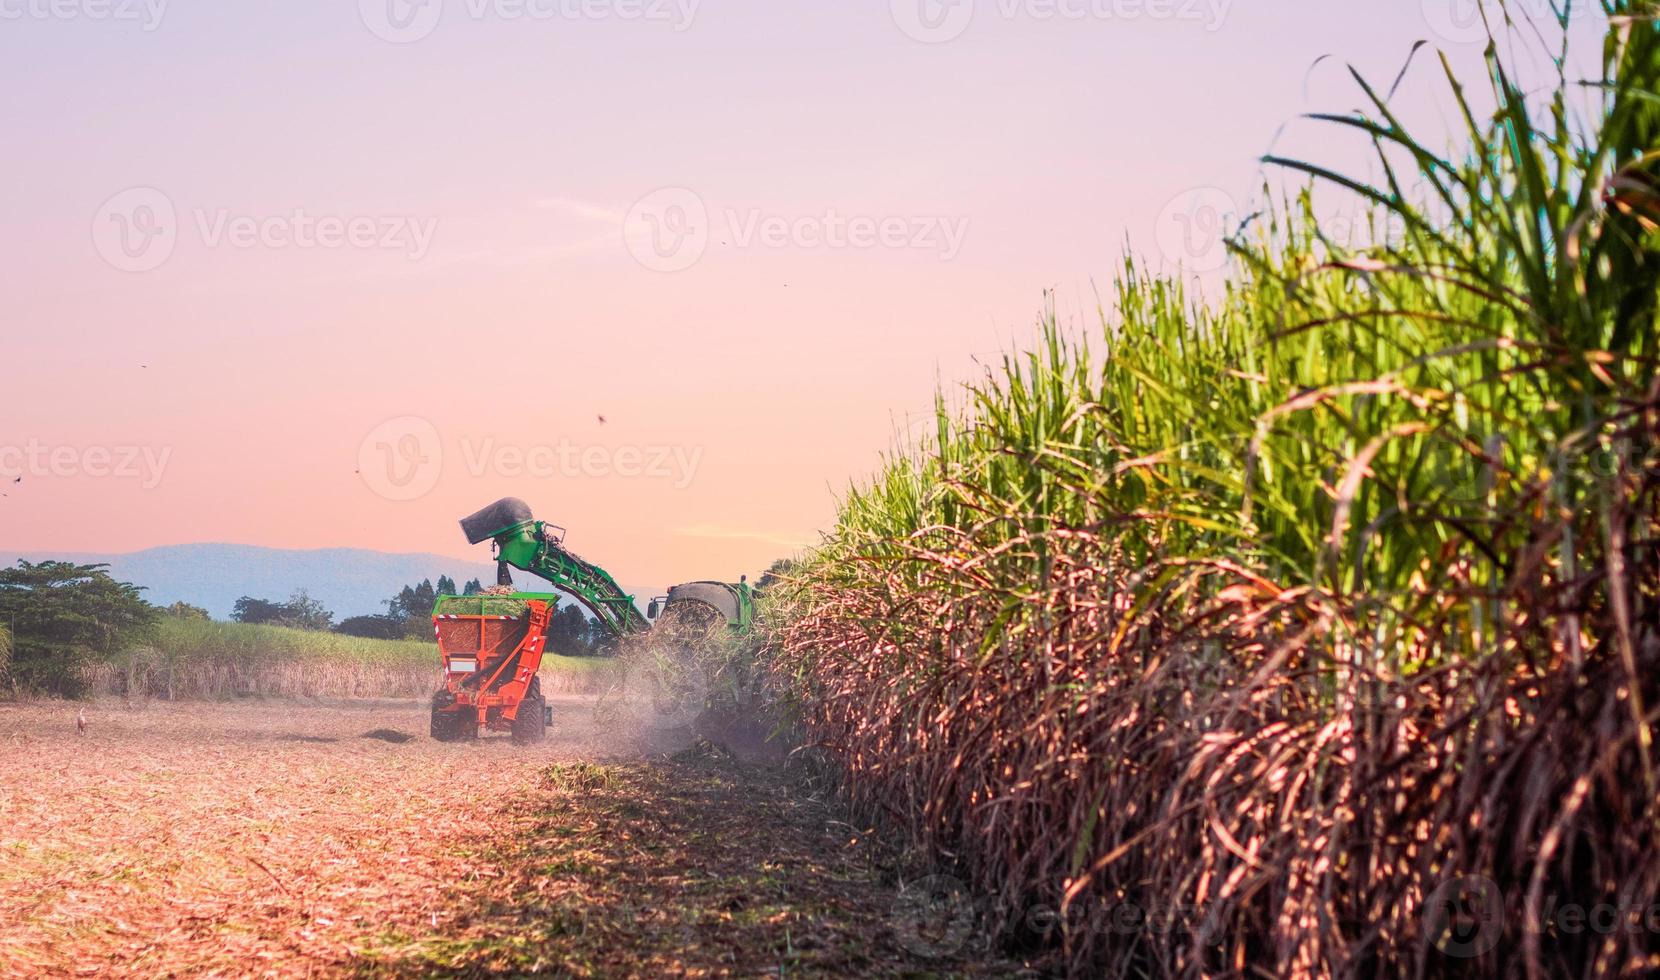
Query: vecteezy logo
pixel 135 230
pixel 932 21
pixel 1464 916
pixel 1461 21
pixel 668 229
pixel 1457 21
pixel 402 458
pixel 664 696
pixel 933 917
pixel 1193 229
pixel 400 21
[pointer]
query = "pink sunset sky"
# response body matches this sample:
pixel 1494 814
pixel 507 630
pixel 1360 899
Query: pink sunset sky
pixel 335 274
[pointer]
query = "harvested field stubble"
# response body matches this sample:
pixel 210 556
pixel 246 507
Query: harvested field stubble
pixel 698 867
pixel 321 839
pixel 243 838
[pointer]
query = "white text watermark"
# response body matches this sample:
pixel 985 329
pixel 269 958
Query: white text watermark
pixel 1473 21
pixel 147 14
pixel 670 229
pixel 939 21
pixel 137 230
pixel 404 458
pixel 407 21
pixel 35 459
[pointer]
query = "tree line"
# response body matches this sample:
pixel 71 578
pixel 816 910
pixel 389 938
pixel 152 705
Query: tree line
pixel 57 618
pixel 406 615
pixel 571 631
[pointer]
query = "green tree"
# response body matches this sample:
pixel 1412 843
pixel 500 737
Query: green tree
pixel 411 608
pixel 301 611
pixel 414 602
pixel 569 632
pixel 184 610
pixel 601 643
pixel 446 585
pixel 251 610
pixel 473 587
pixel 371 627
pixel 775 573
pixel 63 617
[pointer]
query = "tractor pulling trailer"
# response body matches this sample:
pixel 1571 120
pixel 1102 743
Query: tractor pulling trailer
pixel 491 645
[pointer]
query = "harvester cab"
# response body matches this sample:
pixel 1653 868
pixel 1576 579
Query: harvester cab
pixel 491 645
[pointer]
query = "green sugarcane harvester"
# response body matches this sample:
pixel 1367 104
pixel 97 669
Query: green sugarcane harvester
pixel 491 645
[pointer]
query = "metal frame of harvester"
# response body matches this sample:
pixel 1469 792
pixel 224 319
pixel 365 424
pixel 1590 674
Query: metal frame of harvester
pixel 490 646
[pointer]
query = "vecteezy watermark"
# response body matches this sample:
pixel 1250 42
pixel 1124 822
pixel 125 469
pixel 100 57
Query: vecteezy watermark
pixel 137 230
pixel 402 459
pixel 1470 21
pixel 932 21
pixel 1358 231
pixel 145 464
pixel 934 917
pixel 406 21
pixel 675 464
pixel 656 697
pixel 1466 917
pixel 939 21
pixel 400 21
pixel 670 229
pixel 145 13
pixel 298 229
pixel 1193 228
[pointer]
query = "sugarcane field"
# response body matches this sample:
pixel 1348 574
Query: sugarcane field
pixel 935 489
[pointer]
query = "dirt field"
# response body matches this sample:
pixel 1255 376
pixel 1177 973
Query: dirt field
pixel 327 838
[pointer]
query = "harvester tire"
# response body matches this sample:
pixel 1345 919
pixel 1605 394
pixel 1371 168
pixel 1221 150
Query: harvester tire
pixel 530 724
pixel 451 726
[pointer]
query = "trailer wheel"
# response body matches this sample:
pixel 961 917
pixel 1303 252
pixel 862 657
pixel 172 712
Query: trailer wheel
pixel 531 723
pixel 451 726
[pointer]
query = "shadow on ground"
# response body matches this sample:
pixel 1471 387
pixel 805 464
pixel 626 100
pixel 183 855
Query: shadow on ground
pixel 698 866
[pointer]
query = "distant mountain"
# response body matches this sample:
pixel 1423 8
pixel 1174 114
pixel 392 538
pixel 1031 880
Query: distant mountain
pixel 349 581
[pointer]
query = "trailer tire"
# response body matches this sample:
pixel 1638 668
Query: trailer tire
pixel 530 724
pixel 451 726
